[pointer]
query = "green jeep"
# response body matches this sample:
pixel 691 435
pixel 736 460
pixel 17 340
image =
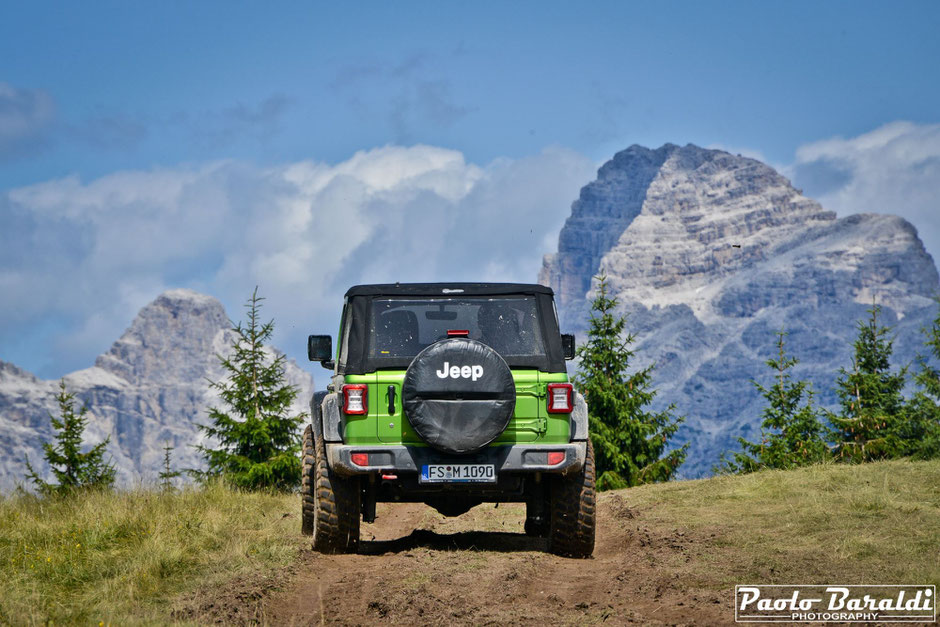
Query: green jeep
pixel 449 394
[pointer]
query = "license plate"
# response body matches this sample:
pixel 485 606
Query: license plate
pixel 458 473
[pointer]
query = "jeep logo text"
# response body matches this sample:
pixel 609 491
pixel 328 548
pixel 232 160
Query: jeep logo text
pixel 460 372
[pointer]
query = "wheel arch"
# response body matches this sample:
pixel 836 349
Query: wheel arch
pixel 325 416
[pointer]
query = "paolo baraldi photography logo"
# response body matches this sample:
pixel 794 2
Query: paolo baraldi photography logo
pixel 835 603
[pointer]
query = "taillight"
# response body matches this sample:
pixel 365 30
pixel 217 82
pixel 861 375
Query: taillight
pixel 360 459
pixel 355 399
pixel 560 398
pixel 556 457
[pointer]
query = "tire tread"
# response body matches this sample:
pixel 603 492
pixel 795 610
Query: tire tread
pixel 573 512
pixel 331 504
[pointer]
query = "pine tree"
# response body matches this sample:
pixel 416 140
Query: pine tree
pixel 871 420
pixel 629 441
pixel 166 475
pixel 259 443
pixel 791 432
pixel 72 469
pixel 921 432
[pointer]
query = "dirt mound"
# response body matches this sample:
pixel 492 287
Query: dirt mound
pixel 241 602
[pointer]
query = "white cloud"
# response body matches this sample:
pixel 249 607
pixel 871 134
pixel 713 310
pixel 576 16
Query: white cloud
pixel 93 253
pixel 893 169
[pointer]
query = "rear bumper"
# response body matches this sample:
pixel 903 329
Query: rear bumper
pixel 518 458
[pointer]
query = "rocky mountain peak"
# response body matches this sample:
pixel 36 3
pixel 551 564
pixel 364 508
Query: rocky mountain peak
pixel 171 339
pixel 12 371
pixel 711 254
pixel 675 216
pixel 150 388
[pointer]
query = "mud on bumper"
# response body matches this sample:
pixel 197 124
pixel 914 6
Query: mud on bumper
pixel 517 458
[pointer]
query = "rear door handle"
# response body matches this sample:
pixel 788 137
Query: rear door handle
pixel 391 400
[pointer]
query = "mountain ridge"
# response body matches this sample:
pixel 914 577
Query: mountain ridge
pixel 709 254
pixel 150 388
pixel 718 254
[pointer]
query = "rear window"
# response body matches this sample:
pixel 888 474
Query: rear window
pixel 402 327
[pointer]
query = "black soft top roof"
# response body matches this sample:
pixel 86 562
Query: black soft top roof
pixel 355 356
pixel 447 289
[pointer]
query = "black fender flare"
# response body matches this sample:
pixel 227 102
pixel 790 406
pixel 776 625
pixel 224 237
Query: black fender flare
pixel 316 412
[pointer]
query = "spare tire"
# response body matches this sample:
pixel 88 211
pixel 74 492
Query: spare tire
pixel 458 395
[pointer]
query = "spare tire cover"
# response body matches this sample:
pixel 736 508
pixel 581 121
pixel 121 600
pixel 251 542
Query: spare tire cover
pixel 458 395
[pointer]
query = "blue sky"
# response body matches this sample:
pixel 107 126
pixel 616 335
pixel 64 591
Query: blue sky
pixel 122 121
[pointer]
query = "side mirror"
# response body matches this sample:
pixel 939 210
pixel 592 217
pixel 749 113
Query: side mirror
pixel 320 348
pixel 567 345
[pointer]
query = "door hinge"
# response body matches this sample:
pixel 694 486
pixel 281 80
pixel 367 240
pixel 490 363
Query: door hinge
pixel 534 389
pixel 536 425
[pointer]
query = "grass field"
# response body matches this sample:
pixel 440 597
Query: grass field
pixel 852 524
pixel 140 556
pixel 127 556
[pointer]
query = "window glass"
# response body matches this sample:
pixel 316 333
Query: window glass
pixel 402 327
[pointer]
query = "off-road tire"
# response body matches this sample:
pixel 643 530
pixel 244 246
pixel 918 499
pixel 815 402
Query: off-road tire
pixel 331 504
pixel 573 511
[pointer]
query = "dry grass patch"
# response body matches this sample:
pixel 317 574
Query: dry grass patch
pixel 125 556
pixel 869 523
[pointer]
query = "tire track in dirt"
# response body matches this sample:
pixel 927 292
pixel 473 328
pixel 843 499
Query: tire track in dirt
pixel 418 568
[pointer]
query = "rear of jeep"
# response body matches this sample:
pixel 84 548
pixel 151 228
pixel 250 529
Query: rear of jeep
pixel 450 395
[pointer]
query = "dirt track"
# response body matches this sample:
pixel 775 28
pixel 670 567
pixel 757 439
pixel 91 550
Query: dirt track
pixel 418 568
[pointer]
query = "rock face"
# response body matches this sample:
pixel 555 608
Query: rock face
pixel 711 254
pixel 150 388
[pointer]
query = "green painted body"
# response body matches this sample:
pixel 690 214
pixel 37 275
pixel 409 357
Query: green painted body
pixel 530 423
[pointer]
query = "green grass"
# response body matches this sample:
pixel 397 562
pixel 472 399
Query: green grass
pixel 868 523
pixel 134 557
pixel 125 556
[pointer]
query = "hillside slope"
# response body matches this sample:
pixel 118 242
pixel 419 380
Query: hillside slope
pixel 666 554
